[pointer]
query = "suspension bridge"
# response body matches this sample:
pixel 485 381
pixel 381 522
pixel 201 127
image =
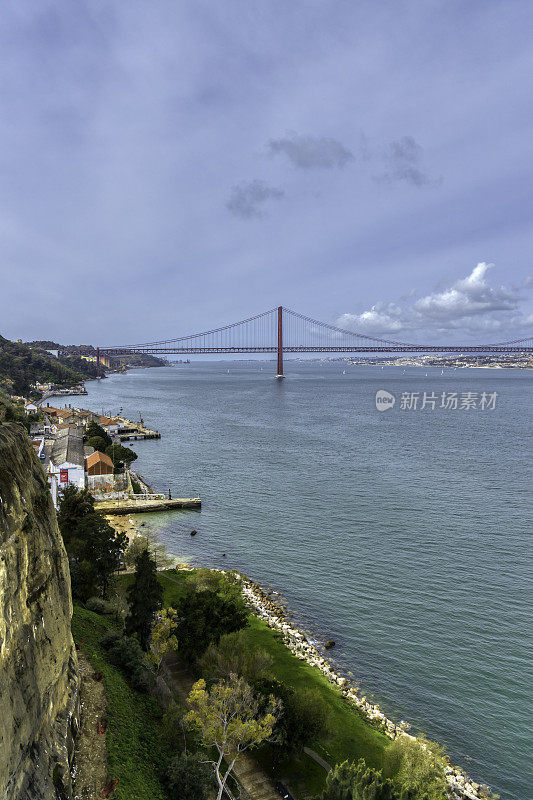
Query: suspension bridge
pixel 281 330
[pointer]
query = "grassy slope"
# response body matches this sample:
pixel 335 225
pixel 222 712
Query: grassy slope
pixel 137 753
pixel 350 736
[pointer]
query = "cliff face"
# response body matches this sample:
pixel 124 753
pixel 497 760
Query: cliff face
pixel 38 664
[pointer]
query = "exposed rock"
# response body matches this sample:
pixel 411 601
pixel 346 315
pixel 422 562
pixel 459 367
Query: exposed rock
pixel 38 663
pixel 329 644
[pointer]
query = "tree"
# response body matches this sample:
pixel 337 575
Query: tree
pixel 417 768
pixel 94 548
pixel 205 617
pixel 189 777
pixel 234 654
pixel 351 781
pixel 97 443
pixel 93 429
pixel 102 547
pixel 118 453
pixel 145 596
pixel 74 504
pixel 228 719
pixel 303 717
pixel 163 638
pixel 148 541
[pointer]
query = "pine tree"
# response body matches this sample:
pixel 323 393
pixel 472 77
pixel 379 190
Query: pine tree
pixel 145 597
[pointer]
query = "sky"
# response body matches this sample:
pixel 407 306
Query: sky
pixel 170 167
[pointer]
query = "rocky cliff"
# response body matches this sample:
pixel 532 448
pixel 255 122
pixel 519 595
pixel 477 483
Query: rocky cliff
pixel 38 665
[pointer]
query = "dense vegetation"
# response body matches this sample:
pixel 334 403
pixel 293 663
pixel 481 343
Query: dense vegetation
pixel 98 438
pixel 138 748
pixel 14 412
pixel 21 366
pixel 133 360
pixel 94 549
pixel 244 665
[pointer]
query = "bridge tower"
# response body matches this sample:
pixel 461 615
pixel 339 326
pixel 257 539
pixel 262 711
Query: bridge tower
pixel 280 343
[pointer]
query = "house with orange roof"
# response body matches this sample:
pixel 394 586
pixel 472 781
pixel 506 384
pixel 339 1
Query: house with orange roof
pixel 99 469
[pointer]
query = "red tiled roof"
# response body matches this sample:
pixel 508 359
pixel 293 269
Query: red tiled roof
pixel 98 457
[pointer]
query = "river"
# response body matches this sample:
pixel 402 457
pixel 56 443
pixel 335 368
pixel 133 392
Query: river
pixel 403 535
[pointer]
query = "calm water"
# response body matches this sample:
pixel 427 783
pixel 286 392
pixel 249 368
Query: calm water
pixel 402 535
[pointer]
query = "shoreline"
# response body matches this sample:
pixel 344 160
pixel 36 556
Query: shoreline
pixel 274 612
pixel 276 616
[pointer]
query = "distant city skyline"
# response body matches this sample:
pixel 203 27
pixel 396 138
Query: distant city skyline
pixel 172 168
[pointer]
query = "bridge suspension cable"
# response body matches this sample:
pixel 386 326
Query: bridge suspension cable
pixel 281 330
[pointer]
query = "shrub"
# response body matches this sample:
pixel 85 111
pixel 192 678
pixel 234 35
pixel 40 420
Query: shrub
pixel 188 777
pixel 98 605
pixel 127 654
pixel 109 639
pixel 303 718
pixel 416 767
pixel 351 781
pixel 142 679
pixel 234 654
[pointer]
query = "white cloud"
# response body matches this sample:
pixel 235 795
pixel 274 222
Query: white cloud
pixel 468 297
pixel 381 318
pixel 469 306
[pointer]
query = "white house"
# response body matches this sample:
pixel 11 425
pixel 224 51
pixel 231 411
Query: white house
pixel 109 425
pixel 67 459
pixel 30 407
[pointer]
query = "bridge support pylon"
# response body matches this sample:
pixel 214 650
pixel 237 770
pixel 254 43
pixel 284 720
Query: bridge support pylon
pixel 280 374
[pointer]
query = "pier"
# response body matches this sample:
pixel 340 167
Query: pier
pixel 143 504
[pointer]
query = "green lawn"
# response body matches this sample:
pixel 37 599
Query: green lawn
pixel 137 751
pixel 350 737
pixel 172 581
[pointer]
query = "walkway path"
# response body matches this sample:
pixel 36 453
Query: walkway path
pixel 255 782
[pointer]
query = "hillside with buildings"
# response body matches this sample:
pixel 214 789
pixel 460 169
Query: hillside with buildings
pixel 23 370
pixel 87 353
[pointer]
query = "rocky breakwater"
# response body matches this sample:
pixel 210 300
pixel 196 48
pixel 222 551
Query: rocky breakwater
pixel 275 614
pixel 38 664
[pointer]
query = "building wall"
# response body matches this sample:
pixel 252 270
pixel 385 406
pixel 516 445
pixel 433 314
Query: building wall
pixel 76 474
pixel 101 481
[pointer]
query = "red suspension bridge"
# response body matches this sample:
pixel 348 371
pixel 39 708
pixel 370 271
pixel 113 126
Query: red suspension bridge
pixel 280 330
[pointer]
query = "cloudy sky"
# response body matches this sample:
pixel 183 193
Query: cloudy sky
pixel 168 167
